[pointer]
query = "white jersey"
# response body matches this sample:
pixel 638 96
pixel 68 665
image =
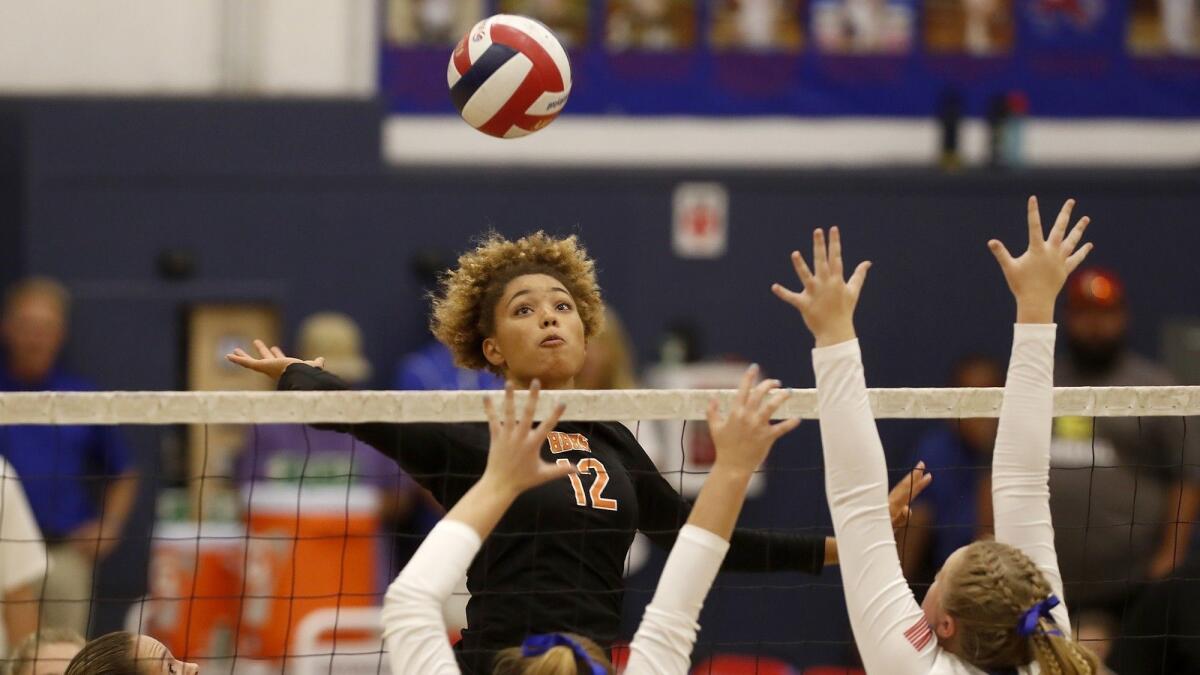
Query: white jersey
pixel 415 633
pixel 889 627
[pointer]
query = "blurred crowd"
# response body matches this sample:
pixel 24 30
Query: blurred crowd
pixel 1125 491
pixel 975 27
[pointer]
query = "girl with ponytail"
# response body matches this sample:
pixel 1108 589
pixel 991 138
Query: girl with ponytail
pixel 996 606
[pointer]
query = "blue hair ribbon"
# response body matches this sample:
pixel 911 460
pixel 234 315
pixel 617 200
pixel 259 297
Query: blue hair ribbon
pixel 536 645
pixel 1028 623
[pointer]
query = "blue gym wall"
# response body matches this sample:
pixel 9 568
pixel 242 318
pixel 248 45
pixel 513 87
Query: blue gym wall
pixel 287 201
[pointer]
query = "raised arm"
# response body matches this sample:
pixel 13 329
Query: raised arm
pixel 446 468
pixel 413 628
pixel 664 640
pixel 1021 462
pixel 891 631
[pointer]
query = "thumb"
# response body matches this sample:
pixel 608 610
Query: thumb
pixel 550 472
pixel 859 277
pixel 787 295
pixel 1000 252
pixel 320 361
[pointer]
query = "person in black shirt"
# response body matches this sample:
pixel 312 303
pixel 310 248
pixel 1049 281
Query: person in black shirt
pixel 525 309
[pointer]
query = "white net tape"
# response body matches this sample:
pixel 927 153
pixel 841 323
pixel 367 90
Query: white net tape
pixel 459 406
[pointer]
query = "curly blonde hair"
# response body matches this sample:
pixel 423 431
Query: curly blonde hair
pixel 464 307
pixel 987 592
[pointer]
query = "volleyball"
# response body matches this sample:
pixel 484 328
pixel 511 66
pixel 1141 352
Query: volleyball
pixel 509 76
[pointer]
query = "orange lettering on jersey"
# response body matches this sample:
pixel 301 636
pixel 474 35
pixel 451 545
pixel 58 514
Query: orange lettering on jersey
pixel 561 442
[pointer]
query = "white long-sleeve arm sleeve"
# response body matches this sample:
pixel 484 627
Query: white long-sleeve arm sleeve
pixel 664 640
pixel 413 628
pixel 890 629
pixel 1021 462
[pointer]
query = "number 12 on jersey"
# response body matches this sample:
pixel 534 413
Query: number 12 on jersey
pixel 590 465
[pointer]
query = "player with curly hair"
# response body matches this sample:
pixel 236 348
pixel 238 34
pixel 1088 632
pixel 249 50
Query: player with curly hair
pixel 525 309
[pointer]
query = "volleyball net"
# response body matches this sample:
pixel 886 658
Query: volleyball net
pixel 271 548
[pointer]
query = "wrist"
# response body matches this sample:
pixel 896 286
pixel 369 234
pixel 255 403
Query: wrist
pixel 835 335
pixel 1038 311
pixel 730 473
pixel 496 490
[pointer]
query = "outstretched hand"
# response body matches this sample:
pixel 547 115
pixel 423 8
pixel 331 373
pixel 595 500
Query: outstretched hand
pixel 514 462
pixel 827 300
pixel 905 492
pixel 271 361
pixel 744 437
pixel 1036 277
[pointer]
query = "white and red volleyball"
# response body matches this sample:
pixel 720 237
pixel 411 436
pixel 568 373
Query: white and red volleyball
pixel 509 76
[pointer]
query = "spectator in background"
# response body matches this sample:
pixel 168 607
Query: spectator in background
pixel 863 26
pixel 651 25
pixel 22 561
pixel 956 507
pixel 46 652
pixel 300 453
pixel 567 19
pixel 429 22
pixel 80 480
pixel 1124 490
pixel 1179 26
pixel 757 25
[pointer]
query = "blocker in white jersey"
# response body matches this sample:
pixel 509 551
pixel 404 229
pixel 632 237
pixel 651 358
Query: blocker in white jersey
pixel 509 76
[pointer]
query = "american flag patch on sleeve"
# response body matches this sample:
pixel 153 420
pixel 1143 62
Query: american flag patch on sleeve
pixel 919 634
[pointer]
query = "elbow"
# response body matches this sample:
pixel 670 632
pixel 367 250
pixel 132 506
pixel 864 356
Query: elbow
pixel 404 602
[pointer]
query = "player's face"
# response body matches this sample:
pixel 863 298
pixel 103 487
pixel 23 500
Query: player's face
pixel 538 333
pixel 153 658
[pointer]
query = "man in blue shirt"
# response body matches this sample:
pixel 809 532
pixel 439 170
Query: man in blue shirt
pixel 956 507
pixel 79 480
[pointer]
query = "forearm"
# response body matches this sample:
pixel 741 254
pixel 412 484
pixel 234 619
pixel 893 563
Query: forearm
pixel 413 628
pixel 482 507
pixel 753 551
pixel 664 640
pixel 20 613
pixel 717 509
pixel 720 501
pixel 878 600
pixel 1021 459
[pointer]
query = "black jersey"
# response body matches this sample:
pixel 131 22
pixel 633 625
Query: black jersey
pixel 555 561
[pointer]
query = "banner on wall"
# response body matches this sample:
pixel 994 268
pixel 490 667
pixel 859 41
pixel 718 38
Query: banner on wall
pixel 1070 58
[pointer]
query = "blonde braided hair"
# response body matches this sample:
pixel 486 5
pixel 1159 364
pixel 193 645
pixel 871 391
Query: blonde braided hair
pixel 987 592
